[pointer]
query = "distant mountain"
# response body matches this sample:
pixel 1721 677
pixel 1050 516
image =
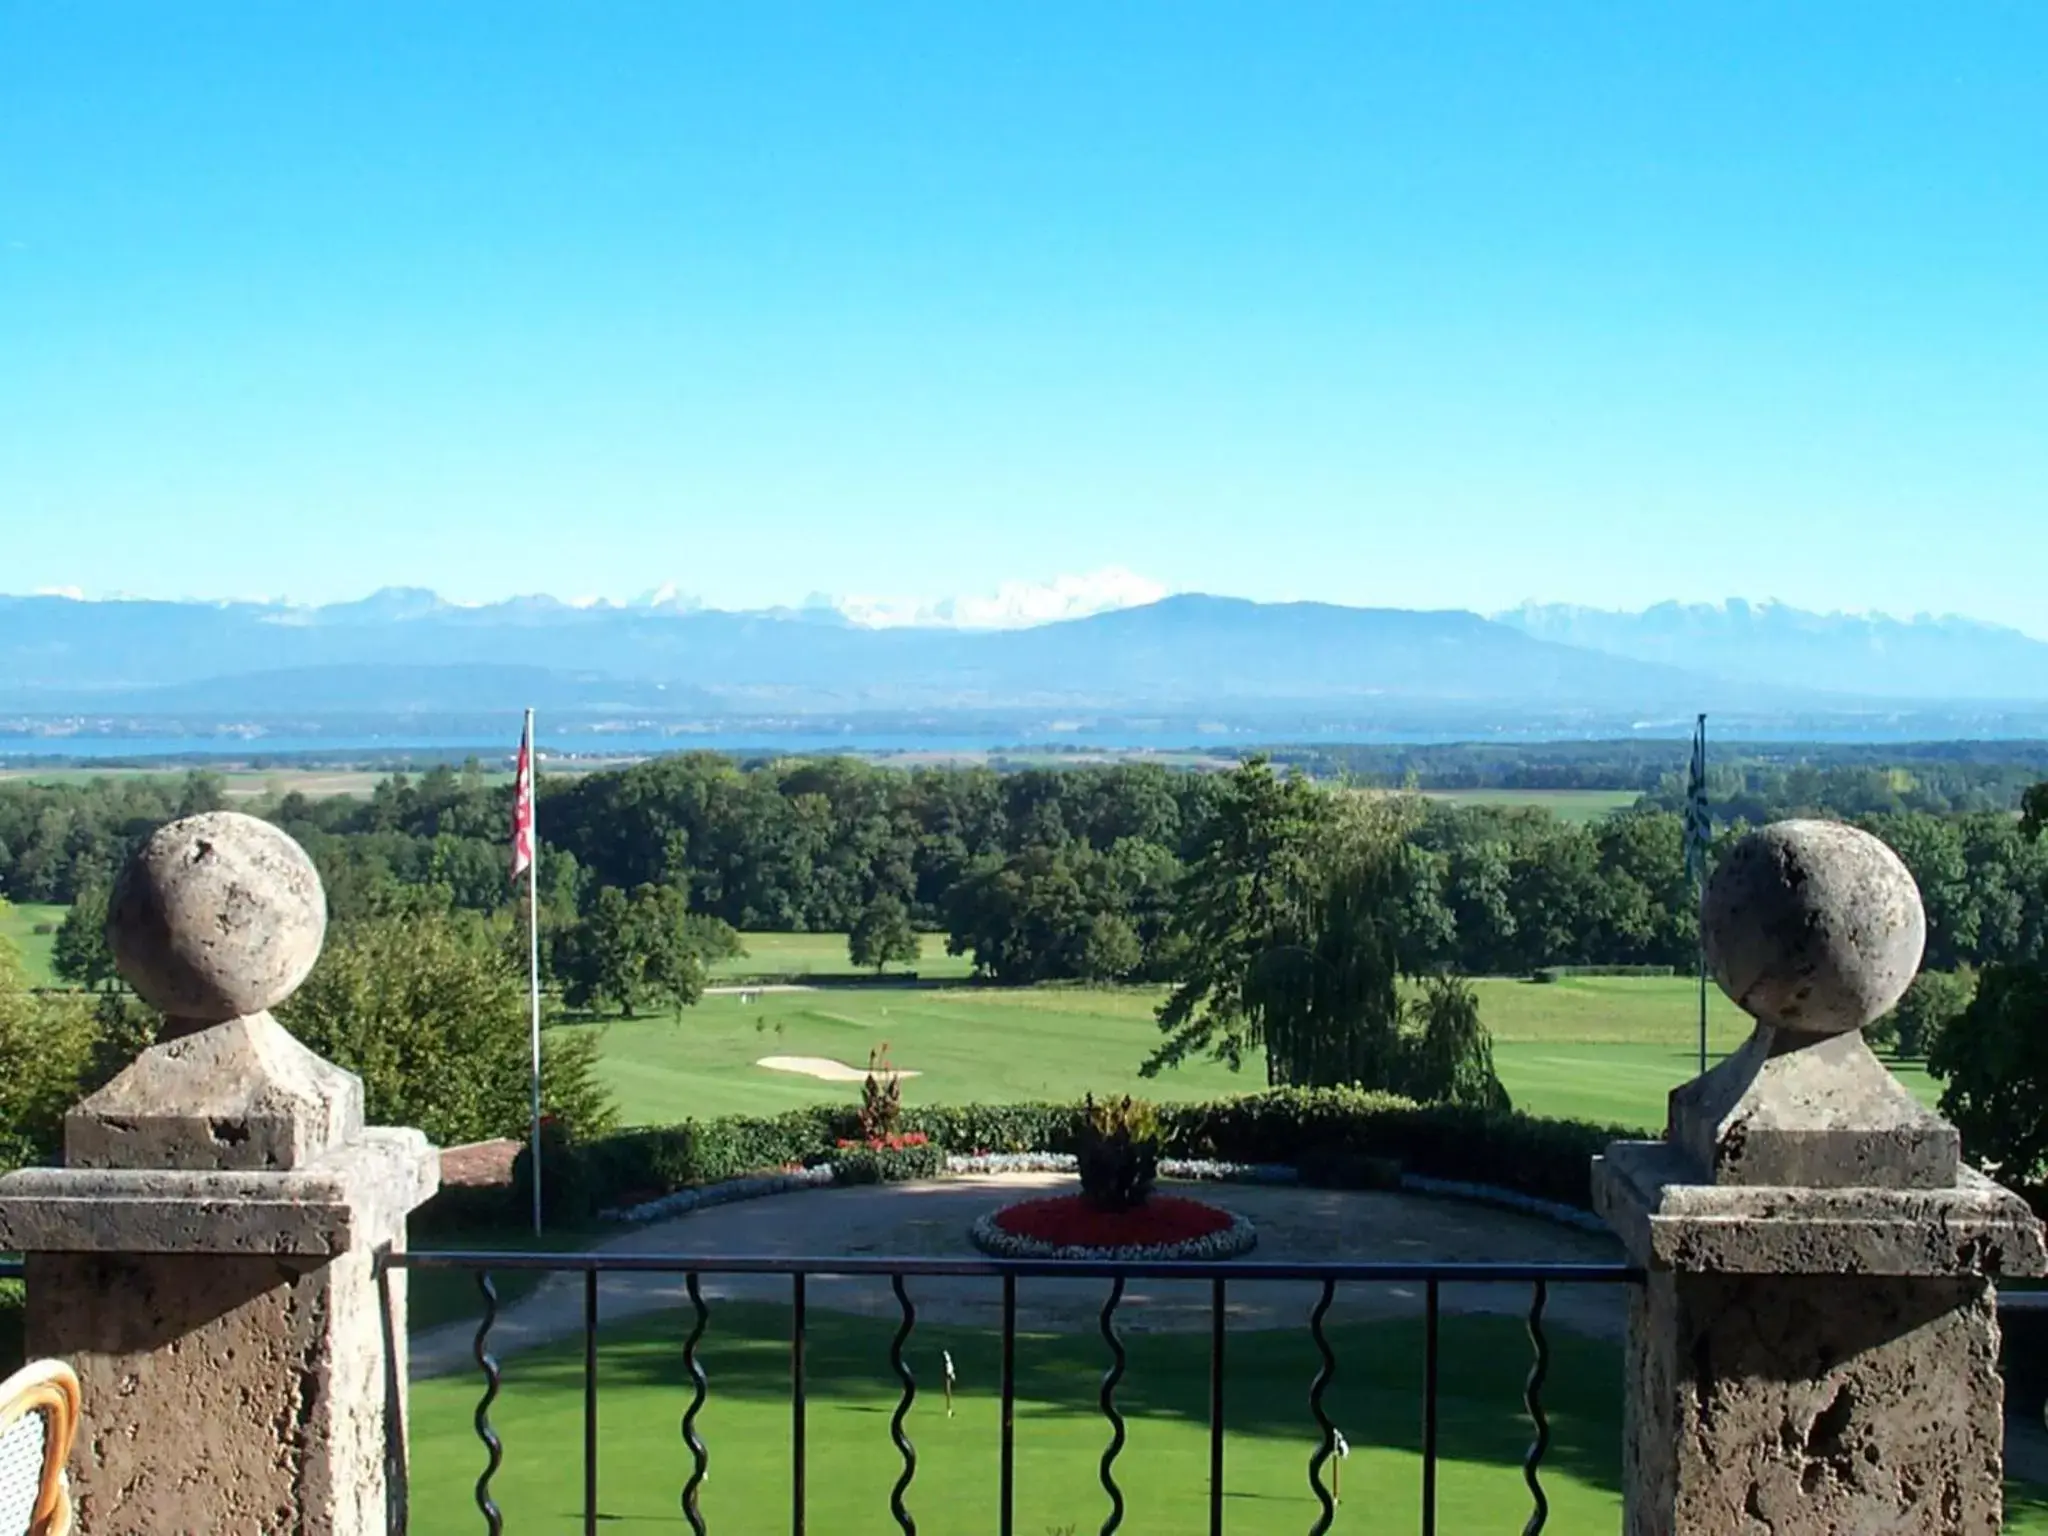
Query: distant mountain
pixel 1195 648
pixel 408 652
pixel 384 606
pixel 399 690
pixel 1856 654
pixel 405 663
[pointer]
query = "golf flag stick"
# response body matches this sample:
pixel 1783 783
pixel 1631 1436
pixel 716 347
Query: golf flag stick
pixel 1699 840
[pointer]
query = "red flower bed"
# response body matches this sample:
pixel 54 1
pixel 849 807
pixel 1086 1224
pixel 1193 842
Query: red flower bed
pixel 895 1141
pixel 1068 1221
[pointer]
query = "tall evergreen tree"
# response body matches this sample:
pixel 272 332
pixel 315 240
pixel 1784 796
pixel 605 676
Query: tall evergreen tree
pixel 1247 895
pixel 1450 1054
pixel 81 954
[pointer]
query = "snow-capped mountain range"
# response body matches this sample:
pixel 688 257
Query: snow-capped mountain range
pixel 406 652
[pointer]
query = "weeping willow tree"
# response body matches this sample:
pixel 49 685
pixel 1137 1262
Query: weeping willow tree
pixel 1294 921
pixel 1246 898
pixel 1327 997
pixel 1447 1056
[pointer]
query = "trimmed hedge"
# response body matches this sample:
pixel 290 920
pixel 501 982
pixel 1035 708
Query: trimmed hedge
pixel 1532 1155
pixel 1335 1135
pixel 650 1161
pixel 996 1127
pixel 885 1165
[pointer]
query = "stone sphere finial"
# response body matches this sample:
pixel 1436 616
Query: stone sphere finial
pixel 1813 927
pixel 217 916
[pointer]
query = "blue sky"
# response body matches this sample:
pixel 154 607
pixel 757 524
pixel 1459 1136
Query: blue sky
pixel 1407 304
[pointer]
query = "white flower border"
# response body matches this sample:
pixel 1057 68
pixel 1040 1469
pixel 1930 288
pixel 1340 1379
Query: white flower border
pixel 1191 1169
pixel 1198 1170
pixel 1230 1242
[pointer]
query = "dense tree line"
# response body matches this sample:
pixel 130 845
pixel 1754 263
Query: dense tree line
pixel 1935 776
pixel 1326 926
pixel 1040 874
pixel 59 839
pixel 1294 935
pixel 1761 792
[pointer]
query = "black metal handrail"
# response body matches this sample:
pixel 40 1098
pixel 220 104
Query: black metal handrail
pixel 1217 1276
pixel 1458 1272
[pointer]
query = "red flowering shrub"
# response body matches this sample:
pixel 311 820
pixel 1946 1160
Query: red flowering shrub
pixel 895 1141
pixel 881 1097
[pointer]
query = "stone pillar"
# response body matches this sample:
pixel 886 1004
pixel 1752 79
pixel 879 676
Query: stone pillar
pixel 1816 1349
pixel 205 1259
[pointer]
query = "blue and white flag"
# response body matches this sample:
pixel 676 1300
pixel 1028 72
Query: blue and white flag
pixel 1699 822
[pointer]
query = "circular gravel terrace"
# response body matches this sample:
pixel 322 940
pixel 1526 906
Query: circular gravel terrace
pixel 930 1220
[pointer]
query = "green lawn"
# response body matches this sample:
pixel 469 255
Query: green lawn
pixel 18 924
pixel 436 1296
pixel 800 956
pixel 1374 1399
pixel 1611 1048
pixel 1573 805
pixel 1600 1048
pixel 241 783
pixel 968 1043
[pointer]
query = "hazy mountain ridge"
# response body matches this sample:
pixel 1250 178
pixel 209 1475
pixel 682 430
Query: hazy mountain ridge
pixel 407 654
pixel 1189 652
pixel 1870 655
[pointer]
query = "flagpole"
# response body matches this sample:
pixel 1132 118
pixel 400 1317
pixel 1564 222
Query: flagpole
pixel 533 953
pixel 1703 901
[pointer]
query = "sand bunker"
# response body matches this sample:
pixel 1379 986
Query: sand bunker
pixel 821 1067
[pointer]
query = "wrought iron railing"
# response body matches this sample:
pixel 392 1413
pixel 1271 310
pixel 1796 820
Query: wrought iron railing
pixel 1429 1279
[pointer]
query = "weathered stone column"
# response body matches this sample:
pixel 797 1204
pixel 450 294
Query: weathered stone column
pixel 205 1258
pixel 1817 1346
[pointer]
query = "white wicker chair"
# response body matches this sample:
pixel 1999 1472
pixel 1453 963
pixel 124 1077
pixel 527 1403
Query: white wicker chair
pixel 38 1421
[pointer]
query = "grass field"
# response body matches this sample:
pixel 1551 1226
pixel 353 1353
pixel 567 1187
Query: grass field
pixel 240 783
pixel 1574 805
pixel 1597 1048
pixel 968 1043
pixel 1374 1399
pixel 18 925
pixel 745 1425
pixel 245 784
pixel 804 955
pixel 1593 1048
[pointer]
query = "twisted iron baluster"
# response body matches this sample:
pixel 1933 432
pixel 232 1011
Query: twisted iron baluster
pixel 1432 1329
pixel 488 1363
pixel 695 1442
pixel 1110 1379
pixel 1216 1335
pixel 903 1446
pixel 1532 1398
pixel 1007 1476
pixel 1328 1447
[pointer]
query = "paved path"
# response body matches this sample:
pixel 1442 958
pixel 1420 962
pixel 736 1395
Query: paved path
pixel 2026 1450
pixel 931 1220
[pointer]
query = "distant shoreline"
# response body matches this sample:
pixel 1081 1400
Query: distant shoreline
pixel 590 750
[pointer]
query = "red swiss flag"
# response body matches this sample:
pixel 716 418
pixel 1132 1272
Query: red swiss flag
pixel 522 806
